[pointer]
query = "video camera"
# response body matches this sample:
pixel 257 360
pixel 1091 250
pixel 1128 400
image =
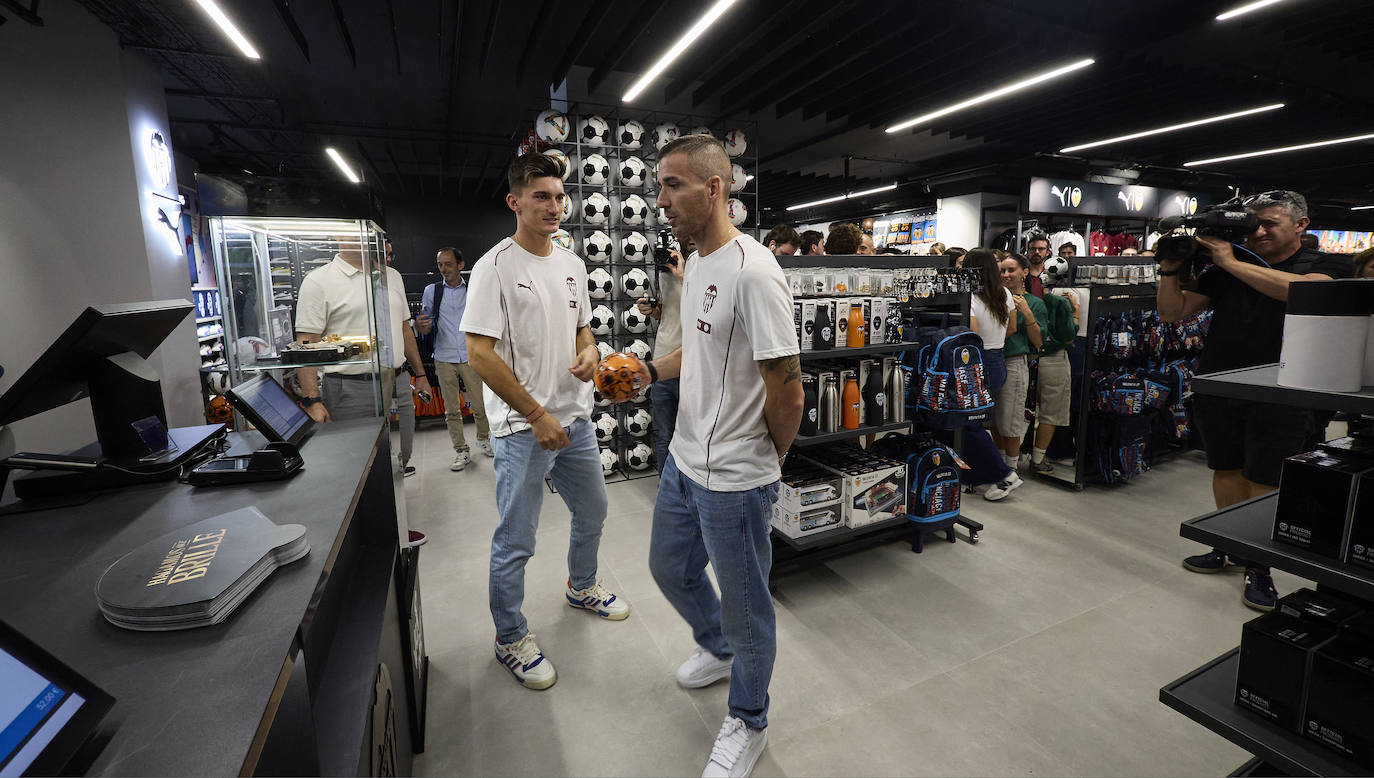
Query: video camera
pixel 663 257
pixel 1229 221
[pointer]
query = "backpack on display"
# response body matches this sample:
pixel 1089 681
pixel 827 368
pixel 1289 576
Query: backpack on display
pixel 935 484
pixel 951 385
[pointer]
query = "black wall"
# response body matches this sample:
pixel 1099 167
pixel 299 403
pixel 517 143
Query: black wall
pixel 419 228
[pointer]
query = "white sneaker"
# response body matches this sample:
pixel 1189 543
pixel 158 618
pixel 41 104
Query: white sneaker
pixel 460 461
pixel 599 600
pixel 526 662
pixel 485 446
pixel 737 749
pixel 702 668
pixel 1003 487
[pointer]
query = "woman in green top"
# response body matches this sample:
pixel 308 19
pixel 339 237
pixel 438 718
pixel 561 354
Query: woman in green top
pixel 1022 341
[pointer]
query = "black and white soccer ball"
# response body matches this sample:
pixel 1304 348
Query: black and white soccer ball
pixel 735 143
pixel 633 172
pixel 608 461
pixel 633 320
pixel 634 248
pixel 598 247
pixel 594 131
pixel 601 402
pixel 596 209
pixel 595 170
pixel 638 423
pixel 551 126
pixel 634 211
pixel 663 134
pixel 641 350
pixel 604 349
pixel 639 457
pixel 600 285
pixel 737 212
pixel 602 320
pixel 1056 271
pixel 563 158
pixel 738 178
pixel 630 134
pixel 634 283
pixel 605 426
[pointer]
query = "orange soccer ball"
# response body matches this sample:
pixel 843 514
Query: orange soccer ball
pixel 617 377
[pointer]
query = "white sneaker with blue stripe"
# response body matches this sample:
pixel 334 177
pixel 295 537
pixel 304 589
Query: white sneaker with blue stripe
pixel 599 600
pixel 526 662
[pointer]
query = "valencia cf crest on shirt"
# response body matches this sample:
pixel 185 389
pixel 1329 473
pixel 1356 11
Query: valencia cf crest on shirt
pixel 709 299
pixel 572 292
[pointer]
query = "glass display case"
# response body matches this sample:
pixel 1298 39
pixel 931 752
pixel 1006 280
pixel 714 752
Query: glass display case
pixel 262 262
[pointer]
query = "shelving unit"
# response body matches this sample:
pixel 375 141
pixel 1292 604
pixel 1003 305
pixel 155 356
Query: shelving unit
pixel 1245 529
pixel 845 434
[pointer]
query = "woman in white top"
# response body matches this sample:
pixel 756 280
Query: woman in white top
pixel 989 316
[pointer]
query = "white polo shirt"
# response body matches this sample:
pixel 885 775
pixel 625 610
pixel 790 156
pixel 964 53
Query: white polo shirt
pixel 533 306
pixel 333 301
pixel 736 311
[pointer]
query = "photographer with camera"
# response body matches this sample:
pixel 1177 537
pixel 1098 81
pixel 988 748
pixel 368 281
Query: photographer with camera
pixel 1246 441
pixel 664 394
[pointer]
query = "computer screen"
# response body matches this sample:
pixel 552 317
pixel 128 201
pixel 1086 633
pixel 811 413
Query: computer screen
pixel 271 409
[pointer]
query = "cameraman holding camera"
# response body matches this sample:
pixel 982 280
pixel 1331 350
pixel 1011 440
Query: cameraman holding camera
pixel 1247 441
pixel 664 394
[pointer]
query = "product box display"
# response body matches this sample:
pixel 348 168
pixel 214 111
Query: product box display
pixel 874 487
pixel 1340 698
pixel 1316 490
pixel 1275 655
pixel 1359 542
pixel 809 500
pixel 1319 607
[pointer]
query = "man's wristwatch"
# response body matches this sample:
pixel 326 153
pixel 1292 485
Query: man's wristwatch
pixel 653 372
pixel 309 401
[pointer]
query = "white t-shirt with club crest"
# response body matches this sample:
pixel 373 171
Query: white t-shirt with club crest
pixel 534 307
pixel 736 312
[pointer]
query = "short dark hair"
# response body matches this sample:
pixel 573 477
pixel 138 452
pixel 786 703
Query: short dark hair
pixel 1309 241
pixel 457 255
pixel 844 238
pixel 706 155
pixel 527 167
pixel 783 233
pixel 809 239
pixel 889 250
pixel 1037 236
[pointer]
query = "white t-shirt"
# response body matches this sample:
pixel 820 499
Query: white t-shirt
pixel 534 307
pixel 736 311
pixel 399 311
pixel 669 335
pixel 333 301
pixel 994 335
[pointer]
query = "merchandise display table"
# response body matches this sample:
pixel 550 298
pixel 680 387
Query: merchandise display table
pixel 309 676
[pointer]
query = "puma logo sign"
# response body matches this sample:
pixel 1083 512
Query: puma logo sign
pixel 525 287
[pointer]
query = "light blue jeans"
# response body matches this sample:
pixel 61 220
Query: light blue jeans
pixel 521 466
pixel 692 526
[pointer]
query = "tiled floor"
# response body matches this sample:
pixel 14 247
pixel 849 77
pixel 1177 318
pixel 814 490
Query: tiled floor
pixel 1039 651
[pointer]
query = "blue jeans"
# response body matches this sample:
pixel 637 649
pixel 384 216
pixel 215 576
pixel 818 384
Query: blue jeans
pixel 521 466
pixel 664 396
pixel 692 526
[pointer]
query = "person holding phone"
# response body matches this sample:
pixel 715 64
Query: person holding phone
pixel 442 307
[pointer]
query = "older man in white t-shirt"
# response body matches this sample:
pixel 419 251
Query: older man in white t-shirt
pixel 740 407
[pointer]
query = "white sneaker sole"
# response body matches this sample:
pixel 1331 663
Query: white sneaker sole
pixel 701 682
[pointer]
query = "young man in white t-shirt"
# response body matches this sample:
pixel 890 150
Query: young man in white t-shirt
pixel 527 337
pixel 739 410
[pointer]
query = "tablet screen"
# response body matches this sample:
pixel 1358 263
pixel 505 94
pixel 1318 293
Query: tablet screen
pixel 45 710
pixel 273 407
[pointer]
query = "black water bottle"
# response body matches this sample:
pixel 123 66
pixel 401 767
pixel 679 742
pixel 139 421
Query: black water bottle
pixel 810 406
pixel 824 333
pixel 875 398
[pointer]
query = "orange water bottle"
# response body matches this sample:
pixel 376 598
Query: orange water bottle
pixel 856 326
pixel 849 415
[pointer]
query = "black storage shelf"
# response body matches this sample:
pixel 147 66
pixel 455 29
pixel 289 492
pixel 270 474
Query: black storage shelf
pixel 1245 530
pixel 1261 384
pixel 1206 695
pixel 833 437
pixel 881 348
pixel 837 536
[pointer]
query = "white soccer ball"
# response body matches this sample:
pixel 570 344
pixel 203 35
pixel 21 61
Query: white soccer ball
pixel 598 247
pixel 634 211
pixel 595 169
pixel 641 350
pixel 634 247
pixel 608 461
pixel 737 212
pixel 564 239
pixel 600 285
pixel 633 320
pixel 638 423
pixel 735 143
pixel 1056 270
pixel 601 402
pixel 561 157
pixel 635 283
pixel 698 130
pixel 663 134
pixel 551 126
pixel 604 348
pixel 633 172
pixel 639 457
pixel 596 209
pixel 605 426
pixel 738 178
pixel 602 320
pixel 630 134
pixel 569 207
pixel 594 131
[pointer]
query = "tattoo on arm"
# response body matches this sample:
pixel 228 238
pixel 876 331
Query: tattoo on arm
pixel 790 367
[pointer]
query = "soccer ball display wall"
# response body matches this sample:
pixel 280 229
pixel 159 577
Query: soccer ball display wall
pixel 610 218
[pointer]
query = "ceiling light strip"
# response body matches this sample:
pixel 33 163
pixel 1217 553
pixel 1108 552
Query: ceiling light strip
pixel 673 53
pixel 227 26
pixel 1245 9
pixel 838 198
pixel 1361 207
pixel 343 166
pixel 1173 128
pixel 1281 150
pixel 993 95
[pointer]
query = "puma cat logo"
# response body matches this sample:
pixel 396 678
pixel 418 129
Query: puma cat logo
pixel 525 287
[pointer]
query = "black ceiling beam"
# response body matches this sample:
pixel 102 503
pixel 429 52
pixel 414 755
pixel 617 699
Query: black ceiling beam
pixel 395 40
pixel 541 23
pixel 463 170
pixel 289 20
pixel 218 132
pixel 191 93
pixel 489 37
pixel 580 39
pixel 367 161
pixel 343 31
pixel 782 13
pixel 186 52
pixel 634 29
pixel 396 168
pixel 29 14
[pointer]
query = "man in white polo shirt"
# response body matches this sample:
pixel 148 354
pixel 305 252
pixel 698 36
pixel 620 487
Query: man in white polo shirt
pixel 739 410
pixel 527 337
